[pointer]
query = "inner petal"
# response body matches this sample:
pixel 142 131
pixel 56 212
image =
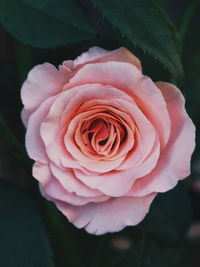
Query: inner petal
pixel 105 134
pixel 100 136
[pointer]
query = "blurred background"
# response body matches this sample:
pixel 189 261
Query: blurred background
pixel 32 231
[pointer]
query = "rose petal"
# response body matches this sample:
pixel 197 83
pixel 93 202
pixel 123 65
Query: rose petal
pixel 43 82
pixel 97 55
pixel 41 172
pixel 34 144
pixel 94 53
pixel 113 183
pixel 118 183
pixel 65 180
pixel 109 216
pixel 55 192
pixel 174 162
pixel 69 182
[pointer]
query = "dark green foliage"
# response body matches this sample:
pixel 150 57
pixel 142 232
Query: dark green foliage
pixel 23 240
pixel 46 23
pixel 148 252
pixel 144 26
pixel 191 60
pixel 141 26
pixel 170 214
pixel 162 4
pixel 53 23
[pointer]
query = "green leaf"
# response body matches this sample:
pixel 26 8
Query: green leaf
pixel 23 240
pixel 170 214
pixel 146 27
pixel 162 4
pixel 46 23
pixel 64 242
pixel 10 137
pixel 191 58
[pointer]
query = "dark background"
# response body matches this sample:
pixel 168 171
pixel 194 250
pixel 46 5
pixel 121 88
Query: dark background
pixel 32 232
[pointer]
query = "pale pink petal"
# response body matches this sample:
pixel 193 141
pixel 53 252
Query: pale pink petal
pixel 41 172
pixel 146 135
pixel 102 166
pixel 43 82
pixel 109 216
pixel 51 129
pixel 174 162
pixel 25 114
pixel 53 187
pixel 97 54
pixel 34 144
pixel 69 182
pixel 113 183
pixel 146 166
pixel 45 172
pixel 55 192
pixel 67 65
pixel 94 53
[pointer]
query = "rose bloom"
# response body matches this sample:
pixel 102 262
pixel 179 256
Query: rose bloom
pixel 104 137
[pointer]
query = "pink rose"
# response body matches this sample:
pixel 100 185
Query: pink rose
pixel 105 138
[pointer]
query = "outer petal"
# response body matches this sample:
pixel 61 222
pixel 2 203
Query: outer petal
pixel 174 163
pixel 94 53
pixel 41 172
pixel 55 192
pixel 43 82
pixel 99 55
pixel 34 144
pixel 69 182
pixel 45 172
pixel 113 183
pixel 109 216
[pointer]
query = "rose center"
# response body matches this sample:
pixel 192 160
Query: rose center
pixel 103 136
